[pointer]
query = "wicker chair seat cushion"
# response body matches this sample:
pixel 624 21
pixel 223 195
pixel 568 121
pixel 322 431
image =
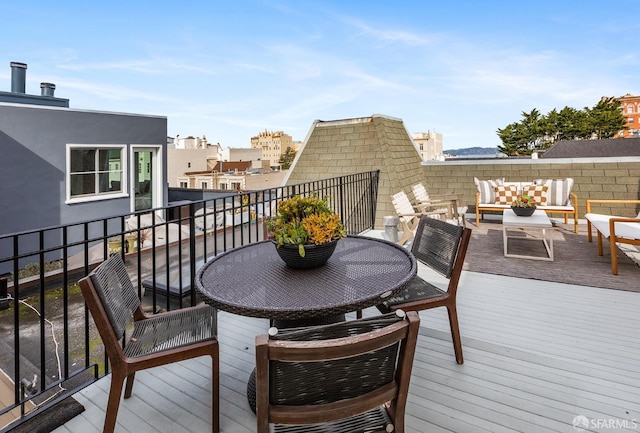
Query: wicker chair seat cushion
pixel 374 421
pixel 414 290
pixel 168 332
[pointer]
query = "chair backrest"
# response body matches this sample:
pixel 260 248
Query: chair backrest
pixel 402 205
pixel 441 246
pixel 115 291
pixel 421 194
pixel 361 364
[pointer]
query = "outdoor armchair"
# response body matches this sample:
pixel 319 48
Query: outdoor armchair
pixel 452 202
pixel 410 216
pixel 351 376
pixel 617 229
pixel 148 341
pixel 442 247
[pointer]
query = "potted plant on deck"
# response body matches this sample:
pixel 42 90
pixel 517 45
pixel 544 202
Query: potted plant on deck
pixel 524 205
pixel 305 231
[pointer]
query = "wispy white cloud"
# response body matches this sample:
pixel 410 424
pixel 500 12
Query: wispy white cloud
pixel 149 66
pixel 389 35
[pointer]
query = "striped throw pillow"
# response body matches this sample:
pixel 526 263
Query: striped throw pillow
pixel 558 191
pixel 486 188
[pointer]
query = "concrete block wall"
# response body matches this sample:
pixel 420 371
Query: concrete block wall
pixel 595 178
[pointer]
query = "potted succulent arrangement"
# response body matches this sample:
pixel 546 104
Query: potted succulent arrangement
pixel 305 231
pixel 524 205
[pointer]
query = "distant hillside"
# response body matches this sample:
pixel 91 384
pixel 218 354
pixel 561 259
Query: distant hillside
pixel 473 151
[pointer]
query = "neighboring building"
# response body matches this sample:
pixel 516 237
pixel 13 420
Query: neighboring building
pixel 62 165
pixel 273 144
pixel 630 105
pixel 223 175
pixel 231 175
pixel 243 154
pixel 191 142
pixel 191 154
pixel 429 145
pixel 606 147
pixel 360 145
pixel 201 167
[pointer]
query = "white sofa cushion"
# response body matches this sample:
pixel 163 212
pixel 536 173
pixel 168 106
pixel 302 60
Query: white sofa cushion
pixel 623 229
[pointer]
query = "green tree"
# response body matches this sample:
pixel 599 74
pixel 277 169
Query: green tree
pixel 606 118
pixel 287 158
pixel 537 132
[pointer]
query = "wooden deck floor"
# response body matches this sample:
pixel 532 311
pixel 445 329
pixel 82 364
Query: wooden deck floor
pixel 537 355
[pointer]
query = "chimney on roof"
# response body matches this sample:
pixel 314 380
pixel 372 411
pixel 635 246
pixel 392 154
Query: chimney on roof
pixel 18 77
pixel 47 89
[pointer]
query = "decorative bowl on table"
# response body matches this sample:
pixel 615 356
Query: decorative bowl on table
pixel 315 255
pixel 523 211
pixel 305 231
pixel 524 205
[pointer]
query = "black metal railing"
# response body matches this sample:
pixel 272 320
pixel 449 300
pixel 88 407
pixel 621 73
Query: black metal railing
pixel 49 345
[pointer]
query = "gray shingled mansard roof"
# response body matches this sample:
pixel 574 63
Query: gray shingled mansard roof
pixel 606 147
pixel 349 146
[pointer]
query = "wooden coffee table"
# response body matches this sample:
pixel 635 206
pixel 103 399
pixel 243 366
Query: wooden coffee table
pixel 538 221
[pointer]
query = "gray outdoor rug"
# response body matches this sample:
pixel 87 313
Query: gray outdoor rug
pixel 576 260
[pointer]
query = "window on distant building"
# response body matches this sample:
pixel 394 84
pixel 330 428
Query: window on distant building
pixel 95 172
pixel 630 120
pixel 629 109
pixel 204 185
pixel 184 185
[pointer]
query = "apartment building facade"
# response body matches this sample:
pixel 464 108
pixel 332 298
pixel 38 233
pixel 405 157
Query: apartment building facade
pixel 429 145
pixel 273 144
pixel 630 105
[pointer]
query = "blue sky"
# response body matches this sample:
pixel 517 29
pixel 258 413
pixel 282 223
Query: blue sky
pixel 231 69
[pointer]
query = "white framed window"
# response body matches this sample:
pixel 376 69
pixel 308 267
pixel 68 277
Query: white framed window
pixel 630 109
pixel 95 172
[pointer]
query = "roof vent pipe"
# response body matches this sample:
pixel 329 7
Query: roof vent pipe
pixel 47 89
pixel 18 77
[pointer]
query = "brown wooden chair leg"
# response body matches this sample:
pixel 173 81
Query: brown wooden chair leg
pixel 455 332
pixel 129 386
pixel 215 397
pixel 614 255
pixel 115 391
pixel 600 252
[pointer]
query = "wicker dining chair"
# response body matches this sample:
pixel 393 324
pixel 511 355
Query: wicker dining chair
pixel 442 247
pixel 148 341
pixel 344 377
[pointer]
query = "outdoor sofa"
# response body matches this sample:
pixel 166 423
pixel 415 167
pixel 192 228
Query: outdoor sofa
pixel 555 196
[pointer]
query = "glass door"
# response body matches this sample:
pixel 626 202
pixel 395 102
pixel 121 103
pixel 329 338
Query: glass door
pixel 144 183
